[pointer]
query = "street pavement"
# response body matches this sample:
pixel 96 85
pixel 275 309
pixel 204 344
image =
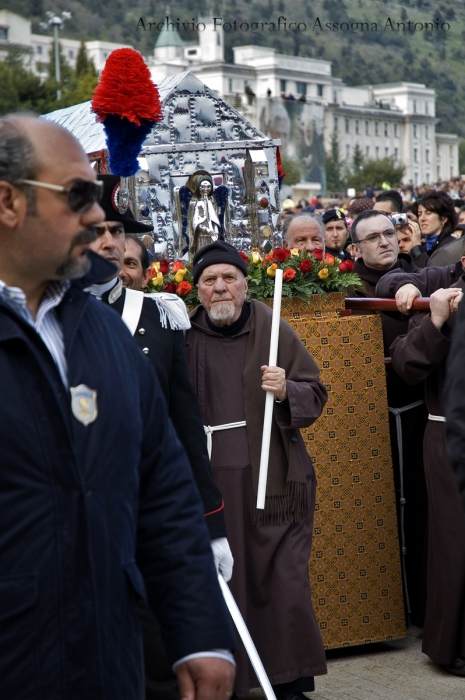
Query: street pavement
pixel 389 671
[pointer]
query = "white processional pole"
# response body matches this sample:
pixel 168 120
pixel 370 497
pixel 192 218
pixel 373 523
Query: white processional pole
pixel 247 641
pixel 269 401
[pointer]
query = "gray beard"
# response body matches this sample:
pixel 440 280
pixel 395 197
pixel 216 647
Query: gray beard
pixel 73 268
pixel 222 313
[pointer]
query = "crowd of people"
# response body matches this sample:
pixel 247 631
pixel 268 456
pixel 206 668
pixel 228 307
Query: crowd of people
pixel 130 447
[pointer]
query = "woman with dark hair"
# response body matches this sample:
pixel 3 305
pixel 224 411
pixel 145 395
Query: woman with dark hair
pixel 437 218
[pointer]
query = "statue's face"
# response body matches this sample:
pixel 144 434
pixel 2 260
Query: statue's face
pixel 205 188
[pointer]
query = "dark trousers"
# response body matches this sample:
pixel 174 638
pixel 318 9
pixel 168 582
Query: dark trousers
pixel 160 679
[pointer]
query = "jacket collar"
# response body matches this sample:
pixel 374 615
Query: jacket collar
pixel 100 270
pixel 404 262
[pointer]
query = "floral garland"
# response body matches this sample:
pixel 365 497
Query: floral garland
pixel 303 274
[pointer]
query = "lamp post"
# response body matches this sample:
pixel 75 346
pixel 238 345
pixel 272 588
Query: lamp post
pixel 57 23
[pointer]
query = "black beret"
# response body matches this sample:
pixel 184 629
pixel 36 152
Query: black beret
pixel 333 215
pixel 215 254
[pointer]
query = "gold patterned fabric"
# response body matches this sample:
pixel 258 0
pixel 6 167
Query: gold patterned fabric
pixel 355 563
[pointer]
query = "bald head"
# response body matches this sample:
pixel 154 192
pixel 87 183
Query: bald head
pixel 42 236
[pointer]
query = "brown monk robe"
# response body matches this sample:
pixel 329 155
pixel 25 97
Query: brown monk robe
pixel 270 578
pixel 421 356
pixel 413 422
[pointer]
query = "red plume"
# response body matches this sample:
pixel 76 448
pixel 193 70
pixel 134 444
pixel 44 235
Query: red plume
pixel 126 89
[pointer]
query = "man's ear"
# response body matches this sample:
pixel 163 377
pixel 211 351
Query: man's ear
pixel 11 204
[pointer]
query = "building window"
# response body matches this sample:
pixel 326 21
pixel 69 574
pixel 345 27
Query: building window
pixel 396 154
pixel 319 90
pixel 105 55
pixel 357 126
pixel 230 86
pixel 414 131
pixel 347 123
pixel 426 107
pixel 386 129
pixel 335 97
pixel 415 111
pixel 39 49
pixel 415 178
pixel 386 152
pixel 347 151
pixel 367 128
pixel 451 152
pixel 192 52
pixel 427 155
pixel 282 86
pixel 377 152
pixel 415 155
pixel 367 151
pixel 396 133
pixel 301 88
pixel 427 132
pixel 427 174
pixel 70 54
pixel 336 123
pixel 3 33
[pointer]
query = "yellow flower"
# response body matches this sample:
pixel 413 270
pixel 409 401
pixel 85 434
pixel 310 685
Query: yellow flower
pixel 179 276
pixel 158 280
pixel 156 265
pixel 271 271
pixel 295 252
pixel 256 259
pixel 323 273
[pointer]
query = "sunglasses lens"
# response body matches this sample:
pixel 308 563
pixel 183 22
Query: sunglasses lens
pixel 83 194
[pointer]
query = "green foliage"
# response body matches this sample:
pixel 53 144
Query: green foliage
pixel 374 173
pixel 292 169
pixel 20 89
pixel 334 166
pixel 84 65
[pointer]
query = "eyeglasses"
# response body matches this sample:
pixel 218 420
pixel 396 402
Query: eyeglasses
pixel 82 195
pixel 374 238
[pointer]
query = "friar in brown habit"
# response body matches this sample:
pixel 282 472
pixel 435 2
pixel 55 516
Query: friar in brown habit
pixel 421 355
pixel 228 348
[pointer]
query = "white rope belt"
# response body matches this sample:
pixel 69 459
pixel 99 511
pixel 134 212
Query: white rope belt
pixel 438 419
pixel 210 429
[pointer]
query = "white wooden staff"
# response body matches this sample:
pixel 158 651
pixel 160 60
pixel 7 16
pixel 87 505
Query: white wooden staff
pixel 247 641
pixel 269 401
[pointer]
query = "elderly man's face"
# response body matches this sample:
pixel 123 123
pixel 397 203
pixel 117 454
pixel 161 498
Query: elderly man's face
pixel 336 234
pixel 132 274
pixel 222 292
pixel 304 234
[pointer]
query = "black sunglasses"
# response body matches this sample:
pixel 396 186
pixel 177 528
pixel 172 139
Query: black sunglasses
pixel 82 194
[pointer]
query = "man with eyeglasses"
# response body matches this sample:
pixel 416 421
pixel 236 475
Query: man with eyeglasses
pixel 163 344
pixel 376 238
pixel 98 507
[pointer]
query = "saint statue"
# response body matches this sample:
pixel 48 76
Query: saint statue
pixel 202 211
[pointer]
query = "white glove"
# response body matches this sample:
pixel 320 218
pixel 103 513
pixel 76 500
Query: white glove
pixel 222 557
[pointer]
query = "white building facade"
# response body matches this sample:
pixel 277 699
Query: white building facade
pixel 391 120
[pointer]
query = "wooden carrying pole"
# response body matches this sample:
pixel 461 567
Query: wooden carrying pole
pixel 364 304
pixel 269 401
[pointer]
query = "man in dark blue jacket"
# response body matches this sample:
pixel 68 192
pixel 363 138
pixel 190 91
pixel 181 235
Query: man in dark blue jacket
pixel 97 502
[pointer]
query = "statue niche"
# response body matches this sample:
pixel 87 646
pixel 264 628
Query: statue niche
pixel 202 212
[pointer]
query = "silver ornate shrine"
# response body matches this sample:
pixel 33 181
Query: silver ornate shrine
pixel 199 132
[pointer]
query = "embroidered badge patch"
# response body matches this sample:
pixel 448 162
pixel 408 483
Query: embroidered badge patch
pixel 84 404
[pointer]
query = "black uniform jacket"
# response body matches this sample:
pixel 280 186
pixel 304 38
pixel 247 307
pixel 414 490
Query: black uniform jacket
pixel 165 349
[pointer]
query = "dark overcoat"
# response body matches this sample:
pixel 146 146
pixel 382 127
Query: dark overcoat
pixel 93 516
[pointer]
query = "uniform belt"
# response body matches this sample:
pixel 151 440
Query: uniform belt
pixel 438 419
pixel 210 429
